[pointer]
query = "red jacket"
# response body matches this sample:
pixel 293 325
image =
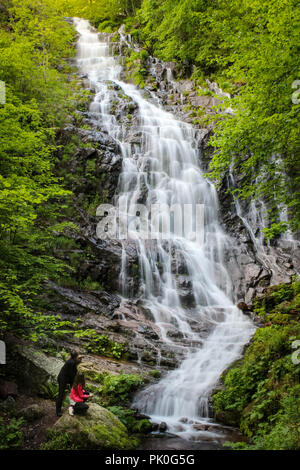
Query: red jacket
pixel 78 394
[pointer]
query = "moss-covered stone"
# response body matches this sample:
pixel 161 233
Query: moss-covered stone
pixel 98 429
pixel 143 426
pixel 132 420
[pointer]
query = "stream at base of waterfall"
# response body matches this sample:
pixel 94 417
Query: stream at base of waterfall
pixel 165 169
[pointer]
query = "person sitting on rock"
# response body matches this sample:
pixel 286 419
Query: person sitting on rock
pixel 79 396
pixel 66 378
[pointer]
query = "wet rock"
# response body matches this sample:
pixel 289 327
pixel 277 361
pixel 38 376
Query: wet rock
pixel 92 365
pixel 183 420
pixel 252 267
pixel 69 20
pixel 155 427
pixel 174 333
pixel 204 101
pixel 185 291
pixel 86 153
pixel 258 321
pixel 147 313
pixel 102 139
pixel 243 306
pixel 202 427
pixel 132 322
pixel 252 272
pixel 147 356
pixel 163 427
pixel 141 416
pixel 71 301
pixel 134 137
pixel 245 309
pixel 145 330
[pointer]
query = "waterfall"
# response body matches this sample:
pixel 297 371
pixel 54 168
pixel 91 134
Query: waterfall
pixel 254 220
pixel 165 170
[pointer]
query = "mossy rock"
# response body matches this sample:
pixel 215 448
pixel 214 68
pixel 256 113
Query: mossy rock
pixel 31 413
pixel 98 429
pixel 143 426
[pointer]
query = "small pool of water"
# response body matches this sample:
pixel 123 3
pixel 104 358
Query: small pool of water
pixel 202 441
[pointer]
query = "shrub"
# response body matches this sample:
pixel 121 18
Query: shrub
pixel 49 390
pixel 11 437
pixel 58 440
pixel 128 417
pixel 261 391
pixel 118 389
pixel 101 344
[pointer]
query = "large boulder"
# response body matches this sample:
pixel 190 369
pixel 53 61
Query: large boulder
pixel 97 429
pixel 34 370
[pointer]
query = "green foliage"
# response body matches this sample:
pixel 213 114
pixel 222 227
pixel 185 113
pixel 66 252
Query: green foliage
pixel 167 29
pixel 35 42
pixel 118 389
pixel 101 344
pixel 280 304
pixel 49 390
pixel 11 437
pixel 251 50
pixel 155 373
pixel 136 65
pixel 90 433
pixel 113 438
pixel 37 326
pixel 58 440
pixel 128 417
pixel 275 230
pixel 85 285
pixel 261 392
pixel 282 431
pixel 106 15
pixel 260 141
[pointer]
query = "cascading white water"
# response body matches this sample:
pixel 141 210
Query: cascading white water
pixel 255 220
pixel 165 169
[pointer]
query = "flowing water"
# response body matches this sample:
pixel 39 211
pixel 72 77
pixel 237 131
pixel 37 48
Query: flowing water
pixel 254 220
pixel 165 169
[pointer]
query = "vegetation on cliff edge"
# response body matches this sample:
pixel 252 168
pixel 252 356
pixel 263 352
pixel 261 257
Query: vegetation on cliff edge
pixel 250 48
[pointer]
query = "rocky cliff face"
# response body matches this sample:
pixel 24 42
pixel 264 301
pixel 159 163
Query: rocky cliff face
pixel 254 263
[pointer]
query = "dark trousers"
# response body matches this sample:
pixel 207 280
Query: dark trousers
pixel 80 408
pixel 62 388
